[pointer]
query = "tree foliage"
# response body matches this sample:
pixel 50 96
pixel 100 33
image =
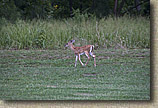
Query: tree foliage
pixel 44 9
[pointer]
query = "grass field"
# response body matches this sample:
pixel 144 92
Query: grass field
pixel 121 74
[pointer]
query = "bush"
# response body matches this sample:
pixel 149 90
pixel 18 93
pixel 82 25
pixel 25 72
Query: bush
pixel 8 10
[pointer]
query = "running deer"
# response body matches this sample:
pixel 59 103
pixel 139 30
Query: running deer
pixel 87 50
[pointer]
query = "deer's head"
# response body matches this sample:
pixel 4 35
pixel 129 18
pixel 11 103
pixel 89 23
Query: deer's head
pixel 70 43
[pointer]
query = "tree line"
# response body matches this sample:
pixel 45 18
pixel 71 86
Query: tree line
pixel 45 9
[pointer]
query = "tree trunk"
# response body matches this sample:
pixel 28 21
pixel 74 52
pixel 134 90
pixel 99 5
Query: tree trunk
pixel 81 6
pixel 93 6
pixel 70 6
pixel 115 8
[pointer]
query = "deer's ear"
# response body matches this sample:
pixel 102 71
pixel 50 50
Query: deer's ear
pixel 72 41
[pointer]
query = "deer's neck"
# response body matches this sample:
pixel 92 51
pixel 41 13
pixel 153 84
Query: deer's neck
pixel 72 47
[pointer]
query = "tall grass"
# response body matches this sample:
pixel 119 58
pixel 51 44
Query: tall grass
pixel 123 32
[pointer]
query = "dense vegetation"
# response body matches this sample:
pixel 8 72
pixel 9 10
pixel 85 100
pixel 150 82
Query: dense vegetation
pixel 123 32
pixel 46 9
pixel 49 24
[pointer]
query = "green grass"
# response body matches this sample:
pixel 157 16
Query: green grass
pixel 121 74
pixel 123 32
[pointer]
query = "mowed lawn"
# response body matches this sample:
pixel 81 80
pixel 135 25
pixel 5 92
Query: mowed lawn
pixel 121 74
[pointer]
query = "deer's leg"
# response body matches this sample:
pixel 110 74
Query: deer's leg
pixel 87 54
pixel 91 53
pixel 94 62
pixel 76 60
pixel 80 60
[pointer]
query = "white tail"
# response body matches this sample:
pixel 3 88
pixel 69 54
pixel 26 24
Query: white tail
pixel 87 50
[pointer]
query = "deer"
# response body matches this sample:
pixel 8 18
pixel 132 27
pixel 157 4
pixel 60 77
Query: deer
pixel 87 50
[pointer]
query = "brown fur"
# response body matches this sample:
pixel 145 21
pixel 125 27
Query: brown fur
pixel 83 49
